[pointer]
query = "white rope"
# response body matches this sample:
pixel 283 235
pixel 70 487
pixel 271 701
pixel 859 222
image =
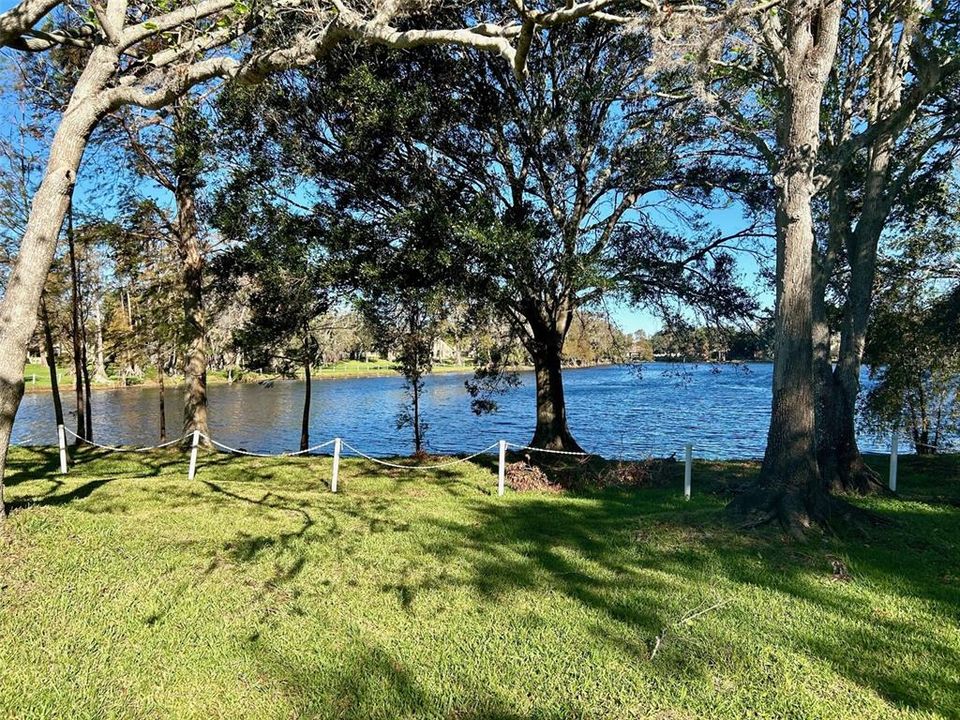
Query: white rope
pixel 126 449
pixel 419 467
pixel 238 451
pixel 545 450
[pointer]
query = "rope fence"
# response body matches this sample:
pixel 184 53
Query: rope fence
pixel 339 445
pixel 385 463
pixel 121 448
pixel 238 451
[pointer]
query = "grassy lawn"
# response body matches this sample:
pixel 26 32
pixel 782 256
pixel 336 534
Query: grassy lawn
pixel 37 377
pixel 253 592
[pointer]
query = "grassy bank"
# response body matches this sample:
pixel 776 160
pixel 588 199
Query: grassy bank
pixel 253 592
pixel 37 377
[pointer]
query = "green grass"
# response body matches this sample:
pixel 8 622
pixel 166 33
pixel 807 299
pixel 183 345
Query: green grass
pixel 253 592
pixel 37 377
pixel 360 368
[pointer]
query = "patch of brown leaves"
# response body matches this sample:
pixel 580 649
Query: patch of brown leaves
pixel 640 473
pixel 524 477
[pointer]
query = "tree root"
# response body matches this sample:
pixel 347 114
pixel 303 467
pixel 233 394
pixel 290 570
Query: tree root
pixel 798 513
pixel 855 478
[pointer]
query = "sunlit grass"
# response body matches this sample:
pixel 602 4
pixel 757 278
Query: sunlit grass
pixel 128 591
pixel 37 376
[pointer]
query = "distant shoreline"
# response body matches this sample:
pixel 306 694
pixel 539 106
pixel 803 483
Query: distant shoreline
pixel 218 378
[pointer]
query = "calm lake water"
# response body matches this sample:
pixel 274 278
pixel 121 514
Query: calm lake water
pixel 614 411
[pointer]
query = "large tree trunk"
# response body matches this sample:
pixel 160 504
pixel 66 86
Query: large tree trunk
pixel 789 487
pixel 194 320
pixel 192 257
pixel 823 371
pixel 18 311
pixel 51 362
pixel 892 32
pixel 546 350
pixel 844 469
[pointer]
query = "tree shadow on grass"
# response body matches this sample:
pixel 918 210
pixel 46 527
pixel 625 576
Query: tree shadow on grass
pixel 606 551
pixel 54 499
pixel 30 462
pixel 42 465
pixel 249 548
pixel 369 683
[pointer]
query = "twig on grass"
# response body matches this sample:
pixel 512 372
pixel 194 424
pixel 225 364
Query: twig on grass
pixel 685 620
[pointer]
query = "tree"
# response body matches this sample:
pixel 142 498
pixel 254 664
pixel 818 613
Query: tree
pixel 895 89
pixel 550 174
pixel 152 54
pixel 145 266
pixel 795 43
pixel 914 360
pixel 765 73
pixel 593 338
pixel 81 380
pixel 641 347
pixel 173 152
pixel 284 264
pixel 406 275
pixel 913 346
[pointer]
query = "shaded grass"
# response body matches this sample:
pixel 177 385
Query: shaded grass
pixel 128 591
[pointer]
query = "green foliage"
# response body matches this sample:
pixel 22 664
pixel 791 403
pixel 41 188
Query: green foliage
pixel 542 180
pixel 405 276
pixel 681 340
pixel 284 273
pixel 914 356
pixel 593 338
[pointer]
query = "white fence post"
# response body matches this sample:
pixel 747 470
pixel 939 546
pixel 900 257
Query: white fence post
pixel 894 446
pixel 503 467
pixel 62 437
pixel 336 464
pixel 687 471
pixel 193 455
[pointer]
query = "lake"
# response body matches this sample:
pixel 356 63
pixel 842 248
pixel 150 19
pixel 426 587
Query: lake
pixel 615 411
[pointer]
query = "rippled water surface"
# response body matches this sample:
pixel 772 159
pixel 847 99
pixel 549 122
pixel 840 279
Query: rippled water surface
pixel 614 411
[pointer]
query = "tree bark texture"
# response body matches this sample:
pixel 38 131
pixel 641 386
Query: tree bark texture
pixel 789 487
pixel 546 350
pixel 194 320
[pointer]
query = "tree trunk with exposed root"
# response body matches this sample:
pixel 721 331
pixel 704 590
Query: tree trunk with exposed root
pixel 790 489
pixel 546 350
